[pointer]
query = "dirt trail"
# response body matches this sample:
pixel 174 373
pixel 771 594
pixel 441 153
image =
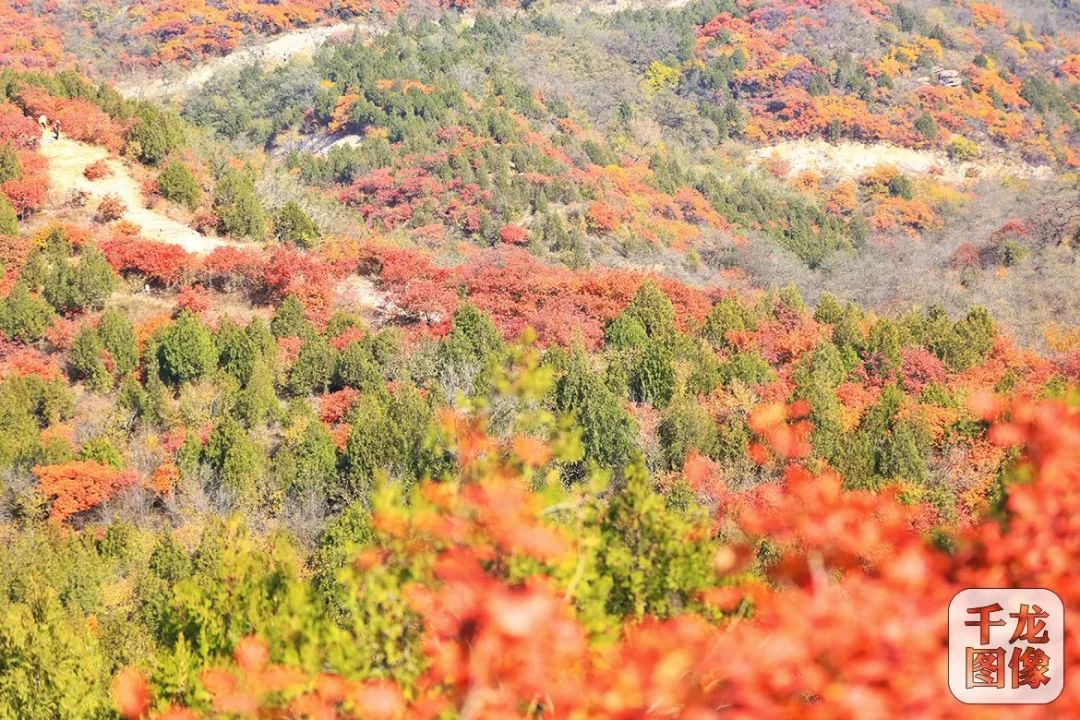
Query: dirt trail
pixel 67 160
pixel 274 51
pixel 849 159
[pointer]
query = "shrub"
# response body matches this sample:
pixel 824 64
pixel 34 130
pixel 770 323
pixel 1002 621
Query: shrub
pixel 926 125
pixel 110 208
pixel 960 148
pixel 293 225
pixel 178 184
pixel 96 170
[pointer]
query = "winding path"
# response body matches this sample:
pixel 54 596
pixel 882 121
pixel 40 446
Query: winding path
pixel 67 160
pixel 274 51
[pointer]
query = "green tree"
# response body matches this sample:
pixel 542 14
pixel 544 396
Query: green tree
pixel 625 332
pixel 51 665
pixel 235 458
pixel 686 426
pixel 236 351
pixel 237 206
pixel 86 360
pixel 654 561
pixel 652 308
pixel 154 134
pixel 9 221
pixel 607 432
pixel 653 378
pixel 357 368
pixel 257 402
pixel 293 225
pixel 313 461
pixel 290 319
pixel 186 351
pixel 118 337
pixel 10 166
pixel 177 183
pixel 728 314
pixel 23 316
pixel 314 366
pixel 926 125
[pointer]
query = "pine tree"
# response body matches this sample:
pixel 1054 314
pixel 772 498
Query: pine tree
pixel 237 207
pixel 9 220
pixel 23 316
pixel 186 351
pixel 118 337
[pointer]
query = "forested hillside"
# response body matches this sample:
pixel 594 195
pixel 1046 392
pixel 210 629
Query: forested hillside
pixel 530 359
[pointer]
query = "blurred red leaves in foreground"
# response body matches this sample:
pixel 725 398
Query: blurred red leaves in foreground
pixel 850 625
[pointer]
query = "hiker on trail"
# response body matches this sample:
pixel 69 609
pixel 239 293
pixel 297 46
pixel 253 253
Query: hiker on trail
pixel 44 123
pixel 56 129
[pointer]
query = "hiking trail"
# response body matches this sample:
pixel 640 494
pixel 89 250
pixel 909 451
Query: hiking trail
pixel 68 158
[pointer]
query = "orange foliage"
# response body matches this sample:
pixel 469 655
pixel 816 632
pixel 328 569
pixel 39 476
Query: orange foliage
pixel 79 485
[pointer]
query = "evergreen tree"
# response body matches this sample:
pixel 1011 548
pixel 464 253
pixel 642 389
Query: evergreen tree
pixel 237 207
pixel 652 308
pixel 653 379
pixel 86 360
pixel 290 319
pixel 23 316
pixel 607 432
pixel 9 220
pixel 118 337
pixel 10 165
pixel 177 183
pixel 186 351
pixel 293 225
pixel 234 457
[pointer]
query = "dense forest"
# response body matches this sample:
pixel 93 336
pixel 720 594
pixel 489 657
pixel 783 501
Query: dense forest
pixel 530 359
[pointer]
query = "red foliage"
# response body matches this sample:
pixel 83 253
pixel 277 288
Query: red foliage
pixel 27 194
pixel 194 298
pixel 513 235
pixel 966 255
pixel 16 129
pixel 334 406
pixel 520 291
pixel 110 208
pixel 601 217
pixel 96 170
pixel 79 119
pixel 158 262
pixel 79 485
pixel 920 367
pixel 227 266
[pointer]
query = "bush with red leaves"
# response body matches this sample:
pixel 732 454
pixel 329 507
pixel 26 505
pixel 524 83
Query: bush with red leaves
pixel 110 208
pixel 162 263
pixel 96 170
